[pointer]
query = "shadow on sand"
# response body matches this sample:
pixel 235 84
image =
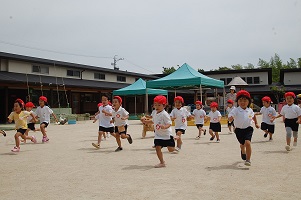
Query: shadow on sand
pixel 234 166
pixel 137 167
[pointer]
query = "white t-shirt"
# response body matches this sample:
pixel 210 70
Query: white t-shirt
pixel 267 114
pixel 242 117
pixel 230 109
pixel 44 114
pixel 214 116
pixel 158 119
pixel 104 119
pixel 181 117
pixel 199 116
pixel 117 115
pixel 291 112
pixel 29 118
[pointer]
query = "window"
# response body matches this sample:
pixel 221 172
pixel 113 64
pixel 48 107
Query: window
pixel 256 80
pixel 74 73
pixel 249 80
pixel 222 79
pixel 99 76
pixel 40 69
pixel 243 78
pixel 121 78
pixel 229 80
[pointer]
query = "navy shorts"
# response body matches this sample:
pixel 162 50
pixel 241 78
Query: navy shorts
pixel 46 124
pixel 269 127
pixel 21 130
pixel 123 132
pixel 199 125
pixel 31 126
pixel 292 123
pixel 165 143
pixel 231 123
pixel 244 134
pixel 215 127
pixel 104 129
pixel 181 130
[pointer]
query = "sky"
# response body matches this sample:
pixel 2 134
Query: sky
pixel 151 34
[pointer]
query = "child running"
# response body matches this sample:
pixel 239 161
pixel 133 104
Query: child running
pixel 43 113
pixel 199 115
pixel 96 118
pixel 243 116
pixel 120 117
pixel 292 114
pixel 163 132
pixel 267 112
pixel 20 118
pixel 179 114
pixel 105 120
pixel 229 109
pixel 30 120
pixel 215 125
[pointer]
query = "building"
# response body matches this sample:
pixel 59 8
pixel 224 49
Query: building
pixel 65 84
pixel 290 79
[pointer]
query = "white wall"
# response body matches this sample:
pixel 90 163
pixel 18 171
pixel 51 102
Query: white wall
pixel 58 71
pixel 292 78
pixel 263 76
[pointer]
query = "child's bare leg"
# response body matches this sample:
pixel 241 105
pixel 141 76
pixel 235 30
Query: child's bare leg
pixel 113 134
pixel 160 154
pixel 179 140
pixel 295 135
pixel 26 133
pixel 200 131
pixel 100 133
pixel 217 135
pixel 17 140
pixel 43 130
pixel 117 136
pixel 248 149
pixel 230 129
pixel 211 132
pixel 271 135
pixel 171 149
pixel 104 135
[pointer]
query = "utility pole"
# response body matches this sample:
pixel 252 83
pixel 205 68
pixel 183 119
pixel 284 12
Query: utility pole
pixel 115 62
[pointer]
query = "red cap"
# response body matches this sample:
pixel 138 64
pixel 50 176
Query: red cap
pixel 21 102
pixel 29 105
pixel 179 98
pixel 160 99
pixel 243 93
pixel 118 98
pixel 266 98
pixel 290 94
pixel 213 105
pixel 43 98
pixel 198 102
pixel 230 101
pixel 98 105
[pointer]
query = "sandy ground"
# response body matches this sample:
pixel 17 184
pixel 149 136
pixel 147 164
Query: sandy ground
pixel 68 167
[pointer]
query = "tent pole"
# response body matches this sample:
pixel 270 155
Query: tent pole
pixel 175 92
pixel 146 102
pixel 224 101
pixel 135 106
pixel 201 93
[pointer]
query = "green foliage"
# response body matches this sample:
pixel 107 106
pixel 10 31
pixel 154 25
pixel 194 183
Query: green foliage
pixel 201 70
pixel 278 91
pixel 168 70
pixel 237 67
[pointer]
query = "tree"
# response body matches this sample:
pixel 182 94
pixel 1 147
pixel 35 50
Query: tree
pixel 222 69
pixel 201 70
pixel 249 66
pixel 278 91
pixel 237 67
pixel 168 70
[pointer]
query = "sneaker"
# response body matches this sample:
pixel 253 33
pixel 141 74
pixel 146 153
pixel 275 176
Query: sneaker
pixel 212 138
pixel 205 132
pixel 97 146
pixel 45 139
pixel 160 165
pixel 287 147
pixel 230 132
pixel 265 135
pixel 243 156
pixel 130 140
pixel 295 144
pixel 271 139
pixel 248 163
pixel 118 149
pixel 218 140
pixel 34 140
pixel 198 137
pixel 177 149
pixel 3 133
pixel 16 149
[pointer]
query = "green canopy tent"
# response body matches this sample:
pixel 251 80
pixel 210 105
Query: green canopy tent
pixel 185 77
pixel 139 88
